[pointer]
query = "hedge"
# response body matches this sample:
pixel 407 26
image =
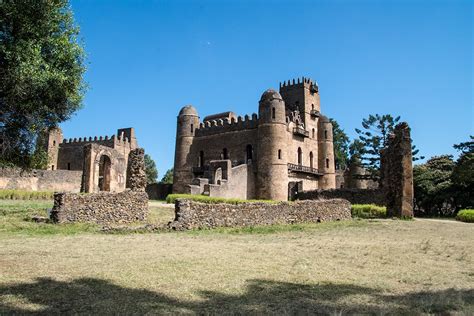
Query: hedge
pixel 171 199
pixel 25 195
pixel 368 211
pixel 466 216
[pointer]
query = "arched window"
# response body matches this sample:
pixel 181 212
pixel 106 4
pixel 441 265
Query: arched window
pixel 314 133
pixel 300 156
pixel 54 143
pixel 312 107
pixel 279 153
pixel 273 113
pixel 327 162
pixel 52 167
pixel 311 159
pixel 249 151
pixel 225 154
pixel 326 134
pixel 201 159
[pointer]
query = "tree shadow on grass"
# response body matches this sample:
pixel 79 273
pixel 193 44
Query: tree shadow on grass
pixel 96 296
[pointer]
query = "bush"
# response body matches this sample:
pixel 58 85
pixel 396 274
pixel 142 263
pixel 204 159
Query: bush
pixel 368 211
pixel 25 195
pixel 466 216
pixel 171 199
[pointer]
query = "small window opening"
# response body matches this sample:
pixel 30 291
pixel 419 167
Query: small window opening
pixel 249 150
pixel 225 154
pixel 279 153
pixel 327 163
pixel 314 133
pixel 273 113
pixel 300 156
pixel 192 128
pixel 312 107
pixel 201 159
pixel 54 143
pixel 52 167
pixel 311 159
pixel 326 134
pixel 68 166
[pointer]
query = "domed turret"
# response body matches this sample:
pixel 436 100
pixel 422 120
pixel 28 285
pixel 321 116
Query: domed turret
pixel 188 121
pixel 271 107
pixel 272 138
pixel 326 154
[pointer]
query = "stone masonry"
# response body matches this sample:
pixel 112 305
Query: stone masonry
pixel 136 176
pixel 195 215
pixel 355 196
pixel 397 173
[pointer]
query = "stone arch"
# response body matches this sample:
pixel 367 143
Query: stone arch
pixel 105 167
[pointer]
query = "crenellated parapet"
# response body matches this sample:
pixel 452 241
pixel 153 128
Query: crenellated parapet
pixel 219 126
pixel 298 83
pixel 111 141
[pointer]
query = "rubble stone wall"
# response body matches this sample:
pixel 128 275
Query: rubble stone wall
pixel 193 215
pixel 102 208
pixel 355 196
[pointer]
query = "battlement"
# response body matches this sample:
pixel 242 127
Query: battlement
pixel 219 126
pixel 299 83
pixel 102 140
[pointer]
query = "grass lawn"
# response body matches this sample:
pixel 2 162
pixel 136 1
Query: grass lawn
pixel 360 266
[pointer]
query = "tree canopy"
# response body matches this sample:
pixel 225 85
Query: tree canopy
pixel 168 177
pixel 341 145
pixel 42 64
pixel 150 170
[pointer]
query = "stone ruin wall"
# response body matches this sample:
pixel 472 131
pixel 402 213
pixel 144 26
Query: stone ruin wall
pixel 195 215
pixel 397 173
pixel 40 180
pixel 355 196
pixel 128 206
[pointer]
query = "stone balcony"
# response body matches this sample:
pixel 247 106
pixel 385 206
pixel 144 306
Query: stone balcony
pixel 314 113
pixel 300 131
pixel 303 169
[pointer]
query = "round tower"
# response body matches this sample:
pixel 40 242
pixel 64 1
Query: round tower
pixel 272 176
pixel 188 121
pixel 326 163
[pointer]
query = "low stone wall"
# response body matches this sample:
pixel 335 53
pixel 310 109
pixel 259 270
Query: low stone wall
pixel 102 208
pixel 158 191
pixel 355 196
pixel 40 180
pixel 191 215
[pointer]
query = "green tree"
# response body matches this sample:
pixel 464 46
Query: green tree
pixel 168 177
pixel 150 170
pixel 373 138
pixel 341 145
pixel 463 175
pixel 434 194
pixel 41 72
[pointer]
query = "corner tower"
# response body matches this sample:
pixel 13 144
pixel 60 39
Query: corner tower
pixel 326 154
pixel 188 121
pixel 49 141
pixel 272 176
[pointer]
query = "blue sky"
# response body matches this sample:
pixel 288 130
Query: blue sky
pixel 147 59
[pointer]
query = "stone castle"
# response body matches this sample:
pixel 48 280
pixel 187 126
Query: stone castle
pixel 286 148
pixel 102 160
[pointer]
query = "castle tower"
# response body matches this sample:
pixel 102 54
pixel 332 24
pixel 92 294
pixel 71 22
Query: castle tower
pixel 188 121
pixel 130 134
pixel 326 164
pixel 272 177
pixel 49 141
pixel 303 95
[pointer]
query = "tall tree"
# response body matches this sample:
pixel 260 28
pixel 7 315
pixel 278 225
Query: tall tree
pixel 373 138
pixel 41 72
pixel 341 145
pixel 168 177
pixel 463 175
pixel 150 170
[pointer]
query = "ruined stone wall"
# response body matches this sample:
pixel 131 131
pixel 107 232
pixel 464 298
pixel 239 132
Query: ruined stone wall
pixel 102 208
pixel 240 184
pixel 40 180
pixel 158 191
pixel 397 173
pixel 355 196
pixel 136 176
pixel 192 215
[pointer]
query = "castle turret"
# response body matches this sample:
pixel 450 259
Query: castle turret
pixel 272 141
pixel 49 141
pixel 326 163
pixel 188 121
pixel 128 133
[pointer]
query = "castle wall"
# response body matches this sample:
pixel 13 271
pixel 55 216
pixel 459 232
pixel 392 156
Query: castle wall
pixel 40 180
pixel 240 184
pixel 355 196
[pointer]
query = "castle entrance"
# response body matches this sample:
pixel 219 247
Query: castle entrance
pixel 294 188
pixel 104 173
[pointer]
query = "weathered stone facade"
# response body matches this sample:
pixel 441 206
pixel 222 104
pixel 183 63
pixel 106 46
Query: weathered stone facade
pixel 136 176
pixel 101 208
pixel 286 147
pixel 355 196
pixel 102 160
pixel 159 191
pixel 194 215
pixel 40 180
pixel 397 173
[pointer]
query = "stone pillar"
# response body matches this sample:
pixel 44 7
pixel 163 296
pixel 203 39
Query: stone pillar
pixel 397 173
pixel 136 176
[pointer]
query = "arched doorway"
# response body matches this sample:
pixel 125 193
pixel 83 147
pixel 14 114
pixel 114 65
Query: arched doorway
pixel 104 173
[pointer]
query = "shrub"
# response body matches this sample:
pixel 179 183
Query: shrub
pixel 466 216
pixel 171 199
pixel 368 211
pixel 25 195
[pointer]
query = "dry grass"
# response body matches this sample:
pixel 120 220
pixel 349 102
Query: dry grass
pixel 377 266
